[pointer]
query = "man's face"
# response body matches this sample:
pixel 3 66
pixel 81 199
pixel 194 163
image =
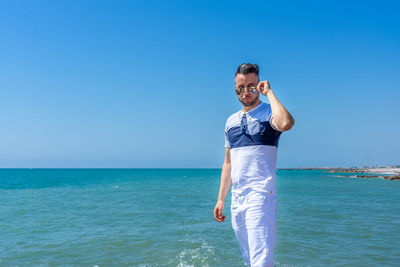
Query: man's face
pixel 247 80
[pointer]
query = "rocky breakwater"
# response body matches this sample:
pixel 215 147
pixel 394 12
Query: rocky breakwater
pixel 393 177
pixel 371 173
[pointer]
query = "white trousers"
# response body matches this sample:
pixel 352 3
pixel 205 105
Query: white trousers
pixel 254 222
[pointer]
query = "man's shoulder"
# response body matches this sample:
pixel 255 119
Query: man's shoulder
pixel 234 116
pixel 262 113
pixel 264 107
pixel 232 120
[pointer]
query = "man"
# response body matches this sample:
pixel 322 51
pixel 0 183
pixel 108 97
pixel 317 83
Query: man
pixel 251 140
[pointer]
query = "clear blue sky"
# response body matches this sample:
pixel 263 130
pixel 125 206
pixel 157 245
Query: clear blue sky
pixel 150 83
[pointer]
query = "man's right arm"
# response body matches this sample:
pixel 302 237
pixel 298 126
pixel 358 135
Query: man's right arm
pixel 226 183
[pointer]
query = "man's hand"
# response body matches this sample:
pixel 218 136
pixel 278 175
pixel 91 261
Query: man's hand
pixel 219 217
pixel 264 87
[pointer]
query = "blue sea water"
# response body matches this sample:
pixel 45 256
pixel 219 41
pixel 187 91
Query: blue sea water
pixel 164 217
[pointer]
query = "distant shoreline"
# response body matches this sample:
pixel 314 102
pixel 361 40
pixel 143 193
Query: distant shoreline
pixel 387 172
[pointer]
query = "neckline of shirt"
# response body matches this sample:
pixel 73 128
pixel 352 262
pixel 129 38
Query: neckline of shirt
pixel 251 110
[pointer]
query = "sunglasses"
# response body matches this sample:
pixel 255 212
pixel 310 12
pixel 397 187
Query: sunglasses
pixel 241 89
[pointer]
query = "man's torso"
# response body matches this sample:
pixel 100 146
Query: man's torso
pixel 253 148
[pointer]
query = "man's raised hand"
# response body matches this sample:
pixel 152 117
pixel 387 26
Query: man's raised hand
pixel 263 87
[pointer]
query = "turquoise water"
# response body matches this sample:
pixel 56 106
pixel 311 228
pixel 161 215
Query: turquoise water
pixel 163 217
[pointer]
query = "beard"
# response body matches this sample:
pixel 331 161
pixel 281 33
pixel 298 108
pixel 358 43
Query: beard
pixel 251 103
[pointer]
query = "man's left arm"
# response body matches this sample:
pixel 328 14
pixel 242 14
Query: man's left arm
pixel 281 119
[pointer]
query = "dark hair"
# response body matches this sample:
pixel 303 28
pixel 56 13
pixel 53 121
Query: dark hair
pixel 246 68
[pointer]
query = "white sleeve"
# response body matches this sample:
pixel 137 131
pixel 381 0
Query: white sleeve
pixel 227 143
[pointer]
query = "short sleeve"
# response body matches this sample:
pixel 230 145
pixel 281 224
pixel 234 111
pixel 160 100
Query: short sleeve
pixel 227 143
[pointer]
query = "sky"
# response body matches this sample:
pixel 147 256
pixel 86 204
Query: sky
pixel 150 84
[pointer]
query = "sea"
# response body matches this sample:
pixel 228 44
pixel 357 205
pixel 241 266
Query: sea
pixel 164 217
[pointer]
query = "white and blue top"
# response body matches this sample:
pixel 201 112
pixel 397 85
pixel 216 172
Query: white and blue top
pixel 253 143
